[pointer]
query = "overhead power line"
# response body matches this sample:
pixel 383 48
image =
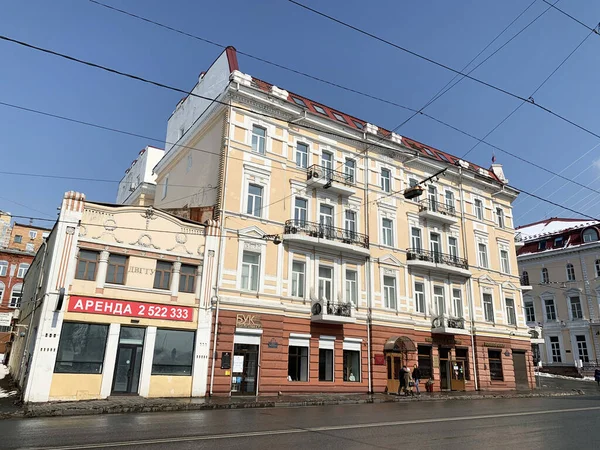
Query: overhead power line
pixel 594 30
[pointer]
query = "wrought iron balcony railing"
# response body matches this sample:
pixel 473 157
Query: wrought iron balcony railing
pixel 448 322
pixel 525 281
pixel 329 175
pixel 418 254
pixel 339 309
pixel 323 231
pixel 438 207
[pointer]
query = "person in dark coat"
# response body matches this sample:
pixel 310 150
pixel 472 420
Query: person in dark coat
pixel 597 376
pixel 416 375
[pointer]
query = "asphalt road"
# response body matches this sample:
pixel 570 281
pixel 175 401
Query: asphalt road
pixel 539 423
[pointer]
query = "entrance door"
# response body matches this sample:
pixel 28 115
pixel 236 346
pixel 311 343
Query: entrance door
pixel 244 375
pixel 444 369
pixel 458 376
pixel 394 367
pixel 520 364
pixel 129 361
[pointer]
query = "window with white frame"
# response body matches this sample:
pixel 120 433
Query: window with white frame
pixel 298 277
pixel 439 300
pixel 350 224
pixel 165 187
pixel 545 276
pixel 32 234
pixel 511 317
pixel 504 262
pixel 15 296
pixel 259 135
pixel 387 232
pixel 389 292
pixel 529 311
pixel 478 207
pixel 555 349
pixel 300 211
pixel 419 297
pixel 582 349
pixel 350 170
pixel 453 247
pixel 352 287
pixel 327 164
pixel 550 309
pixel 575 307
pixel 325 283
pixel 432 198
pixel 250 271
pixel 255 198
pixel 3 268
pixel 415 239
pixel 590 235
pixel 23 268
pixel 386 180
pixel 458 303
pixel 570 272
pixel 500 217
pixel 488 307
pixel 326 220
pixel 482 254
pixel 450 202
pixel 302 155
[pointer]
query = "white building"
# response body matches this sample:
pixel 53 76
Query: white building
pixel 138 185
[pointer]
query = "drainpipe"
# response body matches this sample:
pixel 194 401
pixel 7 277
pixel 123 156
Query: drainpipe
pixel 368 277
pixel 469 290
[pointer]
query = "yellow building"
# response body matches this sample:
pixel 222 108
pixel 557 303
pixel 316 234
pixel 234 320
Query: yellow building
pixel 329 278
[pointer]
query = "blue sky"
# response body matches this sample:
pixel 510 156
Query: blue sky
pixel 449 32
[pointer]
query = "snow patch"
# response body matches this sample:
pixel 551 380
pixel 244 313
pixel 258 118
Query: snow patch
pixel 562 377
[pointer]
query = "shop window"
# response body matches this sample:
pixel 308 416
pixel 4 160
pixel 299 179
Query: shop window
pixel 173 352
pixel 424 361
pixel 495 363
pixel 462 354
pixel 187 278
pixel 298 363
pixel 81 348
pixel 115 273
pixel 325 364
pixel 351 365
pixel 162 275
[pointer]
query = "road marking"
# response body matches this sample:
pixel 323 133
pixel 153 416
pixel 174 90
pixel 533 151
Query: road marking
pixel 250 434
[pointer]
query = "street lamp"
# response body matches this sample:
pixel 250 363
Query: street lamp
pixel 417 189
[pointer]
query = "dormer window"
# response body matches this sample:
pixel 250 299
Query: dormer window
pixel 358 125
pixel 559 241
pixel 542 245
pixel 590 235
pixel 299 101
pixel 320 110
pixel 339 117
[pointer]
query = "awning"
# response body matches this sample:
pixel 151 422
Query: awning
pixel 399 344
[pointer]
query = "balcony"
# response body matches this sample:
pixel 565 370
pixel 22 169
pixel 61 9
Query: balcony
pixel 441 262
pixel 525 285
pixel 327 311
pixel 519 240
pixel 444 324
pixel 332 180
pixel 430 209
pixel 315 234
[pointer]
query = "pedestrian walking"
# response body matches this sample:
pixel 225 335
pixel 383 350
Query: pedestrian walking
pixel 597 376
pixel 407 381
pixel 416 376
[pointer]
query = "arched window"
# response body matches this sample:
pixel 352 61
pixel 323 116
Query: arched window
pixel 525 279
pixel 15 296
pixel 3 268
pixel 570 272
pixel 545 277
pixel 1 291
pixel 590 235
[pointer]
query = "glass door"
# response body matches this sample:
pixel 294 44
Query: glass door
pixel 245 369
pixel 326 220
pixel 436 246
pixel 327 164
pixel 432 197
pixel 129 361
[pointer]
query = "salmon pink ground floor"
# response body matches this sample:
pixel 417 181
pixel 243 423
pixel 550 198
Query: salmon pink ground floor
pixel 270 354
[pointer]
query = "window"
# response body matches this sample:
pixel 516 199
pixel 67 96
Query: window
pixel 165 187
pixel 23 268
pixel 187 278
pixel 525 279
pixel 173 352
pixel 550 309
pixel 258 139
pixel 255 194
pixel 298 274
pixel 482 252
pixel 457 300
pixel 432 198
pixel 416 241
pixel 511 318
pixel 350 170
pixel 3 268
pixel 81 348
pixel 339 117
pixel 495 359
pixel 582 348
pixel 555 349
pixel 116 269
pixel 559 241
pixel 597 265
pixel 500 217
pixel 326 220
pixel 570 272
pixel 576 311
pixel 450 201
pixel 453 247
pixel 325 364
pixel 15 296
pixel 299 101
pixel 29 247
pixel 352 287
pixel 590 235
pixel 420 297
pixel 545 277
pixel 439 300
pixel 350 224
pixel 87 261
pixel 504 263
pixel 319 109
pixel 300 211
pixel 302 155
pixel 435 246
pixel 325 283
pixel 1 291
pixel 358 125
pixel 387 234
pixel 162 275
pixel 542 245
pixel 250 270
pixel 18 239
pixel 424 358
pixel 298 363
pixel 386 180
pixel 478 206
pixel 327 164
pixel 389 292
pixel 32 234
pixel 351 365
pixel 488 307
pixel 529 312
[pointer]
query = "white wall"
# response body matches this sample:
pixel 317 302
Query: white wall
pixel 140 172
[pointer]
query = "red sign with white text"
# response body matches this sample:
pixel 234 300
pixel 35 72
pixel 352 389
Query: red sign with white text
pixel 127 308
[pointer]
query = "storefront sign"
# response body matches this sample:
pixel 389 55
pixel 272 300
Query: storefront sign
pixel 126 308
pixel 493 344
pixel 247 321
pixel 238 363
pixel 443 340
pixel 5 319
